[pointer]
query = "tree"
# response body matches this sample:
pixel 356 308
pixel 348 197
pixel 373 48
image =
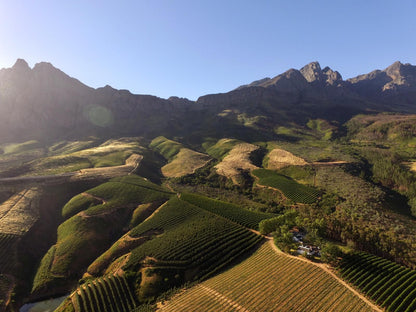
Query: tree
pixel 330 253
pixel 412 204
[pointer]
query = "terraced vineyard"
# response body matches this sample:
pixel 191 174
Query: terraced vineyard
pixel 268 281
pixel 94 222
pixel 290 188
pixel 232 212
pixel 193 238
pixel 391 285
pixel 105 294
pixel 7 252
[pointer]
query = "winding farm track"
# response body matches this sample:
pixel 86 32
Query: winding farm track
pixel 329 271
pixel 268 290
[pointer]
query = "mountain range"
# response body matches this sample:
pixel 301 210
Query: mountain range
pixel 44 103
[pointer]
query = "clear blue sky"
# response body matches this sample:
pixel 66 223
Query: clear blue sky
pixel 189 48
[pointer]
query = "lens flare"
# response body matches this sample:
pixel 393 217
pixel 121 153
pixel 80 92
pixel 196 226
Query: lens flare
pixel 99 116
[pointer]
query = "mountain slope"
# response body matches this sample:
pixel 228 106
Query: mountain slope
pixel 45 103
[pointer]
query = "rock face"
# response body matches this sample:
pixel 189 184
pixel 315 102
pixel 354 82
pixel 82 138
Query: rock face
pixel 396 84
pixel 45 103
pixel 312 72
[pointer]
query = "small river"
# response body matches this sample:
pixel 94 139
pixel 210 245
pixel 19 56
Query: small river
pixel 43 306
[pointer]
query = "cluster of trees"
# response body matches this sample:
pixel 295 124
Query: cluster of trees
pixel 388 169
pixel 362 220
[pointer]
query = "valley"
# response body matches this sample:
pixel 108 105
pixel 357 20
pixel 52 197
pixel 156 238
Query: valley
pixel 175 204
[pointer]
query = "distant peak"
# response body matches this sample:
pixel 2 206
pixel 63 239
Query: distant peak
pixel 314 65
pixel 396 66
pixel 312 72
pixel 43 65
pixel 400 71
pixel 21 64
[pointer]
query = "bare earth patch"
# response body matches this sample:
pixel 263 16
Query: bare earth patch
pixel 279 158
pixel 185 162
pixel 413 166
pixel 236 161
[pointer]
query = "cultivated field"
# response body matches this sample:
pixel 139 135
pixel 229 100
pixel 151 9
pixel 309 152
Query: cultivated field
pixel 235 213
pixel 192 239
pixel 8 256
pixel 290 188
pixel 268 281
pixel 93 223
pixel 107 293
pixel 391 285
pixel 19 212
pixel 6 288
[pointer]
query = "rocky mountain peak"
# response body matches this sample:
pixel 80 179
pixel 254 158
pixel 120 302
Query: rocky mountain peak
pixel 312 72
pixel 21 65
pixel 401 72
pixel 332 77
pixel 43 66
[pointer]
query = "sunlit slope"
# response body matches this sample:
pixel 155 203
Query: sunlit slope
pixel 290 188
pixel 178 243
pixel 189 241
pixel 107 154
pixel 268 281
pixel 95 219
pixel 235 213
pixel 33 158
pixel 218 149
pixel 237 161
pixel 279 158
pixel 181 161
pixel 20 212
pixel 390 285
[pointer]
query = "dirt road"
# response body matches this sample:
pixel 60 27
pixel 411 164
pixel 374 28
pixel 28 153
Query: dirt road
pixel 326 268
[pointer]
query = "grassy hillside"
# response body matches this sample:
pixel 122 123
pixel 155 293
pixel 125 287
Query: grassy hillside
pixel 185 162
pixel 181 161
pixel 220 148
pixel 178 243
pixel 68 156
pixel 389 128
pixel 167 148
pixel 92 227
pixel 19 148
pixel 186 243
